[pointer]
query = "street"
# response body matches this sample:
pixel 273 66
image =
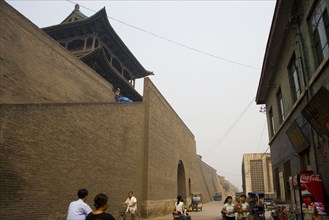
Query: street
pixel 210 211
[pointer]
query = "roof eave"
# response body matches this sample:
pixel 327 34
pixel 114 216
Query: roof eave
pixel 102 61
pixel 273 47
pixel 101 14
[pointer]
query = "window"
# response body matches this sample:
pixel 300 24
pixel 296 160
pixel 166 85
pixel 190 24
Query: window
pixel 304 159
pixel 89 43
pixel 279 100
pixel 257 175
pixel 287 174
pixel 294 79
pixel 76 45
pixel 320 29
pixel 96 43
pixel 126 75
pixel 272 129
pixel 277 182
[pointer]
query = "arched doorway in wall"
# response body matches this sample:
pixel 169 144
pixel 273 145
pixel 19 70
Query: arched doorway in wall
pixel 181 184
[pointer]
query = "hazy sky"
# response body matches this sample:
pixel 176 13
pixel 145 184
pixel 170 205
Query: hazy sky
pixel 213 90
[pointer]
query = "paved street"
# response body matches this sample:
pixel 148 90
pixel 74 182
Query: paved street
pixel 210 211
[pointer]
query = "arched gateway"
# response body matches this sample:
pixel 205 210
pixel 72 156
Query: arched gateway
pixel 181 184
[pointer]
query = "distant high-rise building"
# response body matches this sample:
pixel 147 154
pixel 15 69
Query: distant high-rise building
pixel 257 173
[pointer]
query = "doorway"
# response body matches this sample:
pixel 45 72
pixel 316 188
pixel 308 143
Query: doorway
pixel 181 183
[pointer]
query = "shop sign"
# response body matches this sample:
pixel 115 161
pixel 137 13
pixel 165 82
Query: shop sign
pixel 317 112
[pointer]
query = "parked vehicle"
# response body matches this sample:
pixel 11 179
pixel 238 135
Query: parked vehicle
pixel 218 196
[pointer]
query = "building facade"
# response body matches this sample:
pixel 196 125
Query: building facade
pixel 294 86
pixel 61 128
pixel 257 173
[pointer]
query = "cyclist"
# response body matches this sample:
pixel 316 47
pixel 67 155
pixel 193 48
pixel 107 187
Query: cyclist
pixel 131 204
pixel 179 207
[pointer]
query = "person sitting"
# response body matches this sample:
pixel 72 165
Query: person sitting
pixel 196 199
pixel 195 202
pixel 117 94
pixel 179 207
pixel 131 204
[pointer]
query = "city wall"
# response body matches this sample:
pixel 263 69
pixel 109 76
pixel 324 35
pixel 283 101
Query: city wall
pixel 36 69
pixel 61 130
pixel 49 151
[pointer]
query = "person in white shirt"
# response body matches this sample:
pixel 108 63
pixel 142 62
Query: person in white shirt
pixel 243 212
pixel 179 207
pixel 228 209
pixel 131 204
pixel 79 209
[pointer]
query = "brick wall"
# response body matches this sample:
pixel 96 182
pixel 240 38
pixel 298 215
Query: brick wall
pixel 36 69
pixel 60 131
pixel 169 141
pixel 50 151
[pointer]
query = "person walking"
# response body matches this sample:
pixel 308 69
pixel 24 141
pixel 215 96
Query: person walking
pixel 79 209
pixel 228 209
pixel 243 208
pixel 101 204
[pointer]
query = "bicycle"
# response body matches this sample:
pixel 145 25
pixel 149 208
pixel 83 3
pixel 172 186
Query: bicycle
pixel 129 216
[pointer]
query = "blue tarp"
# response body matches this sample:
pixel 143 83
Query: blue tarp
pixel 124 99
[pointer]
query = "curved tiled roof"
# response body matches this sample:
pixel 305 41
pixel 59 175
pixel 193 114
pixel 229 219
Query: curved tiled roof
pixel 97 60
pixel 76 14
pixel 99 24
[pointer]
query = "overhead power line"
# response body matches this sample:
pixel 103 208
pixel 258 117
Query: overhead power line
pixel 261 137
pixel 172 41
pixel 226 133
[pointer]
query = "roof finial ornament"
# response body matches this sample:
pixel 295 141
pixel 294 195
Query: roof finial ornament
pixel 76 7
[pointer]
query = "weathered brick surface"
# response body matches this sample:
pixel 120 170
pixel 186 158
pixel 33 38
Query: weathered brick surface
pixel 60 131
pixel 169 141
pixel 36 69
pixel 48 152
pixel 51 150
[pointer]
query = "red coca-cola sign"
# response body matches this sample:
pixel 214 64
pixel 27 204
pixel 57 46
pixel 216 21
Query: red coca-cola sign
pixel 311 188
pixel 306 178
